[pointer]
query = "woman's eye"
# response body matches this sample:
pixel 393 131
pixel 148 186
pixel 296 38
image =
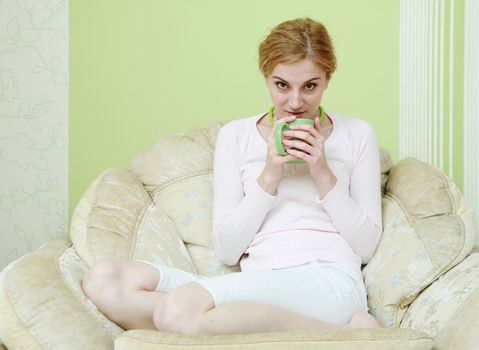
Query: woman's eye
pixel 310 86
pixel 281 85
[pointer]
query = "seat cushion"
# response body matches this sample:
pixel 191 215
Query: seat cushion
pixel 358 339
pixel 428 228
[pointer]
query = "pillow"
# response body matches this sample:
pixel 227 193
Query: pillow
pixel 428 228
pixel 444 299
pixel 177 173
pixel 116 219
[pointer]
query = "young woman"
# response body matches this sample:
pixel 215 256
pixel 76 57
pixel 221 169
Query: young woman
pixel 299 230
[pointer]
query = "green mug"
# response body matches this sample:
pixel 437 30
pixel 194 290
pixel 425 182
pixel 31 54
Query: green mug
pixel 284 126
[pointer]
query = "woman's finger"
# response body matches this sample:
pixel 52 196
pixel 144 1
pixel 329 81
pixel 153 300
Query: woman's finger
pixel 305 128
pixel 297 144
pixel 317 124
pixel 302 135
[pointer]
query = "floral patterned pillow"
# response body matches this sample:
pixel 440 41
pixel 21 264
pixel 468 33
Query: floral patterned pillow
pixel 432 310
pixel 427 229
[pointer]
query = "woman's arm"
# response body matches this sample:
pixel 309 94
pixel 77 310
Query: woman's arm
pixel 237 216
pixel 356 209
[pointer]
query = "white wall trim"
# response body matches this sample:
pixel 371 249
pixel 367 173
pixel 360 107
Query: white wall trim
pixel 415 74
pixel 451 90
pixel 471 103
pixel 422 81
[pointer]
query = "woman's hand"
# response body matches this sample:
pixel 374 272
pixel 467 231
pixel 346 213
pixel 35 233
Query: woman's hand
pixel 306 142
pixel 273 170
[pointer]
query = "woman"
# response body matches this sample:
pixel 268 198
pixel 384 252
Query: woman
pixel 300 231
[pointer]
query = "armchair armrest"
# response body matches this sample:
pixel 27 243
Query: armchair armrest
pixel 39 311
pixel 370 339
pixel 448 310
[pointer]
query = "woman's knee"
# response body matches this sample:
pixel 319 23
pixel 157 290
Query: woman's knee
pixel 101 278
pixel 180 311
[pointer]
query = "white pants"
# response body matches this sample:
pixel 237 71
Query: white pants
pixel 327 291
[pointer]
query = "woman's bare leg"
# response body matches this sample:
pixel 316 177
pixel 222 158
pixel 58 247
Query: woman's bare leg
pixel 190 310
pixel 363 320
pixel 253 317
pixel 124 291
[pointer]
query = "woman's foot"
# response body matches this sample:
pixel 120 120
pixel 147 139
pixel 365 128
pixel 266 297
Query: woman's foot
pixel 363 320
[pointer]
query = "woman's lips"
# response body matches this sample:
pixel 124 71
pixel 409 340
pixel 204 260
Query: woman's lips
pixel 295 113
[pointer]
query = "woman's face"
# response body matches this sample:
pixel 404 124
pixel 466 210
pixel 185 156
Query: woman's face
pixel 297 88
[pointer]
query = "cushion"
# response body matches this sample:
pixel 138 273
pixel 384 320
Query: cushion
pixel 106 216
pixel 72 270
pixel 428 228
pixel 158 241
pixel 38 309
pixel 445 298
pixel 358 339
pixel 177 172
pixel 116 219
pixel 386 164
pixel 206 262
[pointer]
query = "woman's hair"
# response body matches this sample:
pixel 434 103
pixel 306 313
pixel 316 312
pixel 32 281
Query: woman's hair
pixel 294 40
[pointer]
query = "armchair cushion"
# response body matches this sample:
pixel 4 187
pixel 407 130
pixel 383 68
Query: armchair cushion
pixel 106 216
pixel 182 188
pixel 428 229
pixel 116 219
pixel 445 302
pixel 358 339
pixel 37 308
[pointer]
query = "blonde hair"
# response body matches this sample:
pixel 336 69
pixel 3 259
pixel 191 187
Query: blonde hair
pixel 294 40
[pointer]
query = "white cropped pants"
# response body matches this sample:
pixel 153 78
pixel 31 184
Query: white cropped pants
pixel 327 291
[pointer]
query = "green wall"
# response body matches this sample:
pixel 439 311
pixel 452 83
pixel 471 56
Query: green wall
pixel 141 69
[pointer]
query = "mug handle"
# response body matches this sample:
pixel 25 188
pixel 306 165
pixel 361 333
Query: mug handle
pixel 278 137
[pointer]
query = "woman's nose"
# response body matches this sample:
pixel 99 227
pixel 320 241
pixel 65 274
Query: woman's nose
pixel 295 101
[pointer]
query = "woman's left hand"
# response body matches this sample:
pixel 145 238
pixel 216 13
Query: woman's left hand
pixel 309 146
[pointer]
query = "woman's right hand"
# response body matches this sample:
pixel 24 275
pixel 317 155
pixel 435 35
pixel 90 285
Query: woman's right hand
pixel 273 171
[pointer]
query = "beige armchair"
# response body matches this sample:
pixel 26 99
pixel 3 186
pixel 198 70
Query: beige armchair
pixel 423 282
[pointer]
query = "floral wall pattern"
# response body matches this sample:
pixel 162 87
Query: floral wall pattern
pixel 33 124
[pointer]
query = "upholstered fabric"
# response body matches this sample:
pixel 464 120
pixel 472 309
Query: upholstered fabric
pixel 358 339
pixel 438 305
pixel 460 331
pixel 116 218
pixel 39 311
pixel 104 222
pixel 386 165
pixel 73 269
pixel 166 248
pixel 428 229
pixel 206 262
pixel 183 189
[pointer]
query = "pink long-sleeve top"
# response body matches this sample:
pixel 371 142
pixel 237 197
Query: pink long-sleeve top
pixel 296 226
